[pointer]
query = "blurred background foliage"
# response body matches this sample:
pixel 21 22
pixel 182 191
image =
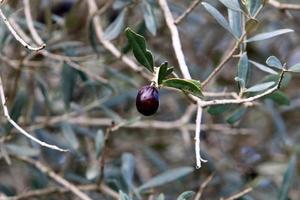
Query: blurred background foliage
pixel 93 114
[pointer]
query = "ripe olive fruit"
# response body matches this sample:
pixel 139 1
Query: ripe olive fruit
pixel 147 100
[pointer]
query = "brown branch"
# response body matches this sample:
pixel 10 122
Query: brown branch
pixel 203 186
pixel 110 46
pixel 49 172
pixel 284 6
pixel 192 6
pixel 240 194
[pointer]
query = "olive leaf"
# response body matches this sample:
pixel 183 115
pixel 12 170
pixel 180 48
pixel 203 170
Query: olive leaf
pixel 186 85
pixel 164 71
pixel 138 45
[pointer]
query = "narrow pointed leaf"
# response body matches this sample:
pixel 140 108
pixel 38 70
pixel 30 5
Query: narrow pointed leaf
pixel 263 67
pixel 273 61
pixel 295 68
pixel 260 87
pixel 236 115
pixel 164 71
pixel 116 27
pixel 279 97
pixel 288 179
pixel 186 195
pixel 138 45
pixel 243 70
pixel 166 177
pixel 235 22
pixel 268 35
pixel 231 4
pixel 149 17
pixel 186 85
pixel 218 16
pixel 218 109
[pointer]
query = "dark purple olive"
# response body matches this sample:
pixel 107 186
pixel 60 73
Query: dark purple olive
pixel 147 100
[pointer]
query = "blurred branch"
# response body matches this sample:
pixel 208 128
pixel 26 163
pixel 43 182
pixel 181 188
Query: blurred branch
pixel 284 6
pixel 238 195
pixel 17 36
pixel 46 170
pixel 192 6
pixel 30 24
pixel 202 187
pixel 20 129
pixel 57 190
pixel 110 46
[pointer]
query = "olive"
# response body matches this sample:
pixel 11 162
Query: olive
pixel 147 100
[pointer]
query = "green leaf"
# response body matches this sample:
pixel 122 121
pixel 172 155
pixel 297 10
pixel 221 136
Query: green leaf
pixel 243 70
pixel 186 195
pixel 279 97
pixel 295 68
pixel 68 81
pixel 268 35
pixel 285 81
pixel 149 17
pixel 70 136
pixel 186 85
pixel 116 27
pixel 235 22
pixel 231 4
pixel 161 197
pixel 166 177
pixel 288 179
pixel 273 61
pixel 164 71
pixel 19 105
pixel 123 196
pixel 218 109
pixel 253 6
pixel 263 67
pixel 218 16
pixel 138 45
pixel 21 150
pixel 260 87
pixel 99 142
pixel 236 115
pixel 127 169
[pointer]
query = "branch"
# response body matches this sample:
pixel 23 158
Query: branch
pixel 197 137
pixel 187 11
pixel 224 61
pixel 203 186
pixel 110 46
pixel 284 6
pixel 49 172
pixel 17 36
pixel 175 39
pixel 20 129
pixel 246 100
pixel 30 24
pixel 238 195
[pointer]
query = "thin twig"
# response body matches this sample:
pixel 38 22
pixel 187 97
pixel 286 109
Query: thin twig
pixel 185 72
pixel 175 39
pixel 187 11
pixel 110 46
pixel 20 129
pixel 284 6
pixel 203 186
pixel 46 170
pixel 240 194
pixel 224 61
pixel 246 100
pixel 17 36
pixel 197 137
pixel 30 24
